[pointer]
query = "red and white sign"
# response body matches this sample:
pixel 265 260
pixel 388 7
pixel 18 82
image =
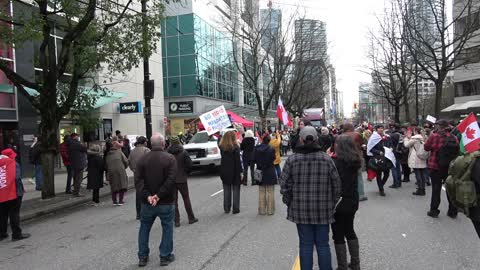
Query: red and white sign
pixel 282 114
pixel 470 133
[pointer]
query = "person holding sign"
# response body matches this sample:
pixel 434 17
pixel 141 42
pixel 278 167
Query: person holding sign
pixel 230 172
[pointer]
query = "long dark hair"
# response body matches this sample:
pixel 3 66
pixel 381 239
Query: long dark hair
pixel 347 151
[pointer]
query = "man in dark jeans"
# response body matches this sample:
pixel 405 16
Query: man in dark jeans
pixel 156 173
pixel 438 174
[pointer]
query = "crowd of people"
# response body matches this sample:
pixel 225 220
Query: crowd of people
pixel 321 180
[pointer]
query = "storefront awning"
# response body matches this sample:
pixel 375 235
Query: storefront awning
pixel 6 88
pixel 110 96
pixel 463 106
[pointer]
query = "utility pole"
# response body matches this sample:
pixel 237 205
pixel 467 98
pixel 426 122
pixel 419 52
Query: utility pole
pixel 148 85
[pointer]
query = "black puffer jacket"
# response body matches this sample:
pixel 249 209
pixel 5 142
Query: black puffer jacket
pixel 184 163
pixel 348 173
pixel 231 167
pixel 247 146
pixel 475 174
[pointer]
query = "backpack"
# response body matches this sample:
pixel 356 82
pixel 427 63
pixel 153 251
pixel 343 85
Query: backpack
pixel 459 184
pixel 448 151
pixel 421 152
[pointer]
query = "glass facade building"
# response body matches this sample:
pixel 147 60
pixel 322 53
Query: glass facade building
pixel 197 60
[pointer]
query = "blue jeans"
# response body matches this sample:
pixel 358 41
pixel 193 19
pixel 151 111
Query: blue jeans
pixel 397 173
pixel 38 177
pixel 278 170
pixel 69 178
pixel 148 214
pixel 310 235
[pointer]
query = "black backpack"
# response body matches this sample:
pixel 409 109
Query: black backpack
pixel 448 151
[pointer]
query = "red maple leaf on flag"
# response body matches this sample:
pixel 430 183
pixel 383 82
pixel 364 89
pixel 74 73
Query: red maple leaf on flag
pixel 470 133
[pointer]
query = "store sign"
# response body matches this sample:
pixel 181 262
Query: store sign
pixel 131 107
pixel 181 107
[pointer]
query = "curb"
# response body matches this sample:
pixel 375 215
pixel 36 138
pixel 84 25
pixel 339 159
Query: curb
pixel 62 205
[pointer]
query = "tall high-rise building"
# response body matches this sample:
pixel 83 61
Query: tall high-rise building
pixel 271 23
pixel 311 52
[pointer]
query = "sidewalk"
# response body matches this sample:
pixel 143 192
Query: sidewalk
pixel 33 206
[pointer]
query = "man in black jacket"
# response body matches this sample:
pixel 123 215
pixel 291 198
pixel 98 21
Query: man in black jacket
pixel 156 173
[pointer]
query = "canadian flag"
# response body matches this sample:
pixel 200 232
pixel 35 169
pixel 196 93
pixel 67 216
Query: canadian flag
pixel 470 133
pixel 283 115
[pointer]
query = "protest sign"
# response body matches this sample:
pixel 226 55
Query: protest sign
pixel 215 120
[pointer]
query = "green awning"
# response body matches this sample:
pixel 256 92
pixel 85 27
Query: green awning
pixel 6 88
pixel 101 101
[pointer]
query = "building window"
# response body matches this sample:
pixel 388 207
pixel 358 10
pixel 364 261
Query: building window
pixel 467 88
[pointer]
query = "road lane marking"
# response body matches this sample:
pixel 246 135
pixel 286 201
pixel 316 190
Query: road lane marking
pixel 296 265
pixel 216 193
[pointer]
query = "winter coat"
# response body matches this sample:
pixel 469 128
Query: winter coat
pixel 475 174
pixel 310 186
pixel 156 172
pixel 95 170
pixel 184 162
pixel 275 144
pixel 414 162
pixel 133 159
pixel 115 164
pixel 348 173
pixel 64 152
pixel 325 142
pixel 264 157
pixel 247 146
pixel 77 154
pixel 126 147
pixel 34 154
pixel 231 167
pixel 295 140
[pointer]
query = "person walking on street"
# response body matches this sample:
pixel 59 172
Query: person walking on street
pixel 247 146
pixel 11 196
pixel 311 187
pixel 295 139
pixel 444 148
pixel 349 130
pixel 264 158
pixel 115 164
pixel 156 173
pixel 126 149
pixel 348 161
pixel 35 159
pixel 140 150
pixel 285 143
pixel 184 164
pixel 95 170
pixel 67 163
pixel 419 165
pixel 397 147
pixel 275 142
pixel 77 153
pixel 376 150
pixel 230 172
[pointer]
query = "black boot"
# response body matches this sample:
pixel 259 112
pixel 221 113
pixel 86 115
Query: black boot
pixel 419 192
pixel 341 251
pixel 354 249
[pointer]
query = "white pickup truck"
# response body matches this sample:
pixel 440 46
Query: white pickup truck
pixel 204 150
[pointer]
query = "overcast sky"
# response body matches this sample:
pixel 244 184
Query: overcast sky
pixel 348 22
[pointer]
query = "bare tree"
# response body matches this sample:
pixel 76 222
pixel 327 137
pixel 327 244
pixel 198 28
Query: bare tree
pixel 391 62
pixel 438 44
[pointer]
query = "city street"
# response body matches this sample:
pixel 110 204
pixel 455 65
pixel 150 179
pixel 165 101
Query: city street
pixel 394 233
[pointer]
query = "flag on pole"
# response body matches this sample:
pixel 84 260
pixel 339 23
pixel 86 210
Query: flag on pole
pixel 282 114
pixel 470 134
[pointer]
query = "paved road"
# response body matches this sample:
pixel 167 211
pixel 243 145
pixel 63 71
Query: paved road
pixel 394 232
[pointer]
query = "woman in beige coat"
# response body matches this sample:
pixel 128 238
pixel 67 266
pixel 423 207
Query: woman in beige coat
pixel 115 164
pixel 419 165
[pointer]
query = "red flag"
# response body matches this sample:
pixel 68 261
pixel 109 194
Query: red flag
pixel 470 133
pixel 8 189
pixel 282 114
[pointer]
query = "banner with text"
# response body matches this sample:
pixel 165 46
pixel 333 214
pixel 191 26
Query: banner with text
pixel 215 120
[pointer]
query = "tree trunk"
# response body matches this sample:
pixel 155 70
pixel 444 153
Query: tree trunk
pixel 397 112
pixel 49 139
pixel 438 97
pixel 407 109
